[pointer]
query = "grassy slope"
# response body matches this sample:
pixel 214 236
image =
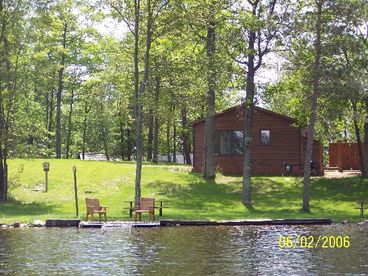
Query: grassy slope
pixel 189 196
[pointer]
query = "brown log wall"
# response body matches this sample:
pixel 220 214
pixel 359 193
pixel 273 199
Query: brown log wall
pixel 287 145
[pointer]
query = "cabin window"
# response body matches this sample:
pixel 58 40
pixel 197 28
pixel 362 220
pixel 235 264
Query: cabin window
pixel 229 142
pixel 265 137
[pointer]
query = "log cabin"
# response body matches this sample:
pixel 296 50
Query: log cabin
pixel 278 144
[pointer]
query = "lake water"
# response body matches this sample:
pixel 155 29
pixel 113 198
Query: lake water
pixel 180 251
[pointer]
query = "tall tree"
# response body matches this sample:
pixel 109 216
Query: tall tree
pixel 65 29
pixel 152 11
pixel 206 21
pixel 208 165
pixel 156 120
pixel 310 134
pixel 257 24
pixel 58 37
pixel 69 133
pixel 11 47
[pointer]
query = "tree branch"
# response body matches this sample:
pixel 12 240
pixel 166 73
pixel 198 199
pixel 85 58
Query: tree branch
pixel 253 4
pixel 163 5
pixel 196 33
pixel 131 29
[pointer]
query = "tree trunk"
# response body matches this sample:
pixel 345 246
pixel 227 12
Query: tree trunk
pixel 138 93
pixel 366 139
pixel 69 134
pixel 248 122
pixel 105 142
pixel 122 140
pixel 168 149
pixel 357 136
pixel 49 99
pixel 137 107
pixel 121 129
pixel 47 104
pixel 8 81
pixel 208 167
pixel 155 140
pixel 49 129
pixel 4 119
pixel 248 113
pixel 3 176
pixel 155 121
pixel 129 145
pixel 185 137
pixel 150 136
pixel 174 143
pixel 313 114
pixel 59 95
pixel 86 110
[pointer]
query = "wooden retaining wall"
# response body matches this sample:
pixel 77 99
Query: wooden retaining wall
pixel 345 156
pixel 246 222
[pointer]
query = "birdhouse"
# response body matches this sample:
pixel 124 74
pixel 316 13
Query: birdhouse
pixel 46 166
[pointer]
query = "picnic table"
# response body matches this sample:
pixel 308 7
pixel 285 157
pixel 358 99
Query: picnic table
pixel 161 206
pixel 362 207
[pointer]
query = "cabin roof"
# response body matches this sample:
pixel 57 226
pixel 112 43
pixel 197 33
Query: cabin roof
pixel 240 107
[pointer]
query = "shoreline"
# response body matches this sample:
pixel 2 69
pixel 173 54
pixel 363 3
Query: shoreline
pixel 75 223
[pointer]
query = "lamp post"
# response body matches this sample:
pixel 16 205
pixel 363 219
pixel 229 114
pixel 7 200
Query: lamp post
pixel 46 168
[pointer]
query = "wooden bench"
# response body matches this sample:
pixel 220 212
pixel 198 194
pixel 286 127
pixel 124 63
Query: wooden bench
pixel 93 206
pixel 160 208
pixel 146 205
pixel 362 207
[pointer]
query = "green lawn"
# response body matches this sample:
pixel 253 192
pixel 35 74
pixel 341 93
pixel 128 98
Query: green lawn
pixel 189 196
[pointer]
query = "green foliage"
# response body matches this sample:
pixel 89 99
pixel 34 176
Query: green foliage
pixel 99 69
pixel 340 73
pixel 289 97
pixel 14 179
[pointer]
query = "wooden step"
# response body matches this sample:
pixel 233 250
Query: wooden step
pixel 331 168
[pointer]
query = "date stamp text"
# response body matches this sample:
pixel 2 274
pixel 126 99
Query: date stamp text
pixel 309 242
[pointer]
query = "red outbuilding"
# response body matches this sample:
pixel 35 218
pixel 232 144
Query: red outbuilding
pixel 278 145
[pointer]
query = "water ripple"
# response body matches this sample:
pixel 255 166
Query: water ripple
pixel 251 250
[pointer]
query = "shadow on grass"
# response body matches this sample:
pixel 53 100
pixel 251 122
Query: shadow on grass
pixel 198 194
pixel 275 194
pixel 352 189
pixel 272 197
pixel 17 208
pixel 249 207
pixel 201 195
